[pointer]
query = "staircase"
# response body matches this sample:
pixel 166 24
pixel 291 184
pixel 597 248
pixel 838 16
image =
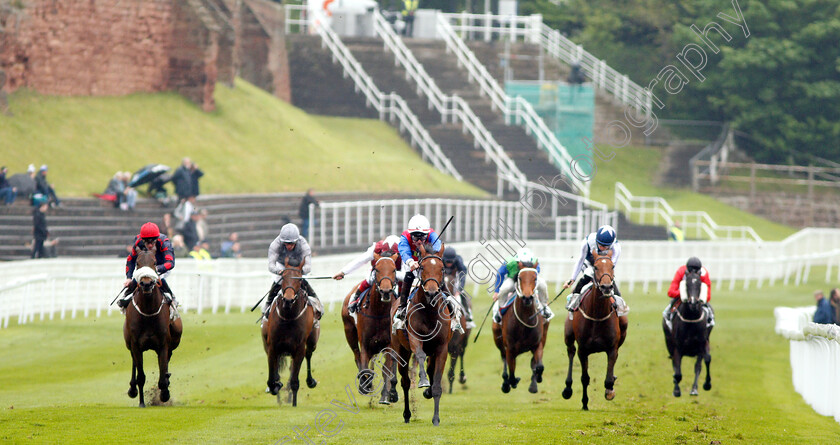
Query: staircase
pixel 675 169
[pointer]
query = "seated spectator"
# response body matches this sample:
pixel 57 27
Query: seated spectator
pixel 129 193
pixel 200 252
pixel 231 248
pixel 114 190
pixel 824 313
pixel 7 191
pixel 45 188
pixel 24 182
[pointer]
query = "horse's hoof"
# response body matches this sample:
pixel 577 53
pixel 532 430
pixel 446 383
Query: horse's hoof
pixel 424 383
pixel 677 393
pixel 693 392
pixel 514 382
pixel 462 379
pixel 427 393
pixel 538 371
pixel 609 394
pixel 532 388
pixel 505 387
pixel 435 422
pixel 142 405
pixel 393 397
pixel 311 383
pixel 164 395
pixel 132 392
pixel 707 386
pixel 585 408
pixel 384 400
pixel 567 393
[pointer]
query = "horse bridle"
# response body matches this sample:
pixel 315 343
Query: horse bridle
pixel 605 274
pixel 518 287
pixel 423 283
pixel 693 300
pixel 379 281
pixel 283 289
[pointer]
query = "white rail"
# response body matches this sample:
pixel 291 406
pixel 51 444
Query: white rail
pixel 390 106
pixel 814 358
pixel 451 108
pixel 655 210
pixel 532 29
pixel 516 110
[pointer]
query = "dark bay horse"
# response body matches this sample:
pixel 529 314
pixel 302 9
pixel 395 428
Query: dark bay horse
pixel 370 332
pixel 147 326
pixel 596 328
pixel 289 331
pixel 689 335
pixel 522 329
pixel 459 341
pixel 427 332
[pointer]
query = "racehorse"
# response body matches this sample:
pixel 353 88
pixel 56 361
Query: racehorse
pixel 427 332
pixel 289 331
pixel 458 343
pixel 596 327
pixel 370 332
pixel 689 335
pixel 522 329
pixel 147 326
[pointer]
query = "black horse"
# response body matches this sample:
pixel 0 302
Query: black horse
pixel 689 335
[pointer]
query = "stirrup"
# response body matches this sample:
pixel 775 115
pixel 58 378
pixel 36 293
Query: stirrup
pixel 455 325
pixel 399 320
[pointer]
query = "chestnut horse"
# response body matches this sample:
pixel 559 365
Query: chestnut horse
pixel 370 332
pixel 596 327
pixel 289 331
pixel 689 335
pixel 522 329
pixel 458 343
pixel 147 326
pixel 427 333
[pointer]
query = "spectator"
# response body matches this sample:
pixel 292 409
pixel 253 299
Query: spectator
pixel 304 211
pixel 823 314
pixel 45 188
pixel 178 246
pixel 167 225
pixel 7 191
pixel 24 182
pixel 408 16
pixel 200 251
pixel 675 233
pixel 115 189
pixel 834 301
pixel 39 231
pixel 182 178
pixel 129 193
pixel 231 248
pixel 195 174
pixel 183 212
pixel 576 76
pixel 190 232
pixel 201 227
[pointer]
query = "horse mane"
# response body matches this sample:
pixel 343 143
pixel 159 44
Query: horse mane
pixel 295 262
pixel 430 249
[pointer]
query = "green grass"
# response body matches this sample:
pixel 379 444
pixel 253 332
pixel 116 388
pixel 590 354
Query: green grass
pixel 637 168
pixel 65 382
pixel 252 143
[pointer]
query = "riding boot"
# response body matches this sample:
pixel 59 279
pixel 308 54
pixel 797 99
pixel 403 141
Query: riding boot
pixel 319 308
pixel 467 312
pixel 455 308
pixel 272 293
pixel 573 300
pixel 399 317
pixel 668 313
pixel 122 303
pixel 164 287
pixel 354 302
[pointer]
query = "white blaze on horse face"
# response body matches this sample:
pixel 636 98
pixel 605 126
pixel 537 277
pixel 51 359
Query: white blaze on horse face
pixel 433 261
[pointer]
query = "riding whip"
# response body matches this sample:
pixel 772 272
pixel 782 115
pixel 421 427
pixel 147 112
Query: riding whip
pixel 261 299
pixel 445 226
pixel 311 278
pixel 482 323
pixel 118 295
pixel 558 296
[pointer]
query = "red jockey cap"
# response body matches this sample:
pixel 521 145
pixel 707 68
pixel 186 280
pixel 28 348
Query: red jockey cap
pixel 149 230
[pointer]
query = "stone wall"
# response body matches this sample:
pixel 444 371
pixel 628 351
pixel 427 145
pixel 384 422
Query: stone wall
pixel 261 47
pixel 116 47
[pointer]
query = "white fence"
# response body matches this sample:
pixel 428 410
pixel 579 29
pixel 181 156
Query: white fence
pixel 814 358
pixel 44 289
pixel 655 210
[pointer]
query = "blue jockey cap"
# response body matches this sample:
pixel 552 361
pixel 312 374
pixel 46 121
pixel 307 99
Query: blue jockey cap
pixel 605 236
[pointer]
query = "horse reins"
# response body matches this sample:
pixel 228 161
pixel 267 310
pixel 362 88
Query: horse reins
pixel 378 282
pixel 519 294
pixel 423 283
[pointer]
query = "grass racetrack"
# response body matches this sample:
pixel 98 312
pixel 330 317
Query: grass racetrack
pixel 66 381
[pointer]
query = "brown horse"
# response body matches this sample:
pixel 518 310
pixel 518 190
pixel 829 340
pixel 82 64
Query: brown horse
pixel 522 329
pixel 689 335
pixel 289 331
pixel 147 326
pixel 427 332
pixel 596 328
pixel 370 332
pixel 459 341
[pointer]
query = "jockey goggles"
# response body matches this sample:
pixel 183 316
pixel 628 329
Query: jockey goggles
pixel 149 240
pixel 418 236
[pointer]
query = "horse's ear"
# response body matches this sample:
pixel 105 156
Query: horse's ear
pixel 395 257
pixel 442 248
pixel 422 250
pixel 376 257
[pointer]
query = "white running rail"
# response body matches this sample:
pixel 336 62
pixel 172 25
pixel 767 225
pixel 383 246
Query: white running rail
pixel 390 106
pixel 814 358
pixel 452 107
pixel 532 29
pixel 655 210
pixel 516 110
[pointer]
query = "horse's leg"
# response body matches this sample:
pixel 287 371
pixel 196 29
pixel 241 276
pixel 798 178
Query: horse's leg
pixel 365 375
pixel 430 370
pixel 584 377
pixel 386 380
pixel 393 396
pixel 510 359
pixel 137 355
pixel 707 357
pixel 274 385
pixel 423 379
pixel 462 378
pixel 437 384
pixel 132 388
pixel 698 367
pixel 310 381
pixel 451 374
pixel 294 378
pixel 609 382
pixel 537 367
pixel 676 360
pixel 163 366
pixel 570 350
pixel 405 381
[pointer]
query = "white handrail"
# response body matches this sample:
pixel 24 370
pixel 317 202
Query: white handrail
pixel 700 221
pixel 390 106
pixel 516 109
pixel 452 107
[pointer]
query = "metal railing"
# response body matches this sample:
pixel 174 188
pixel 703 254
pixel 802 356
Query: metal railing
pixel 451 108
pixel 656 211
pixel 390 106
pixel 576 227
pixel 716 152
pixel 516 110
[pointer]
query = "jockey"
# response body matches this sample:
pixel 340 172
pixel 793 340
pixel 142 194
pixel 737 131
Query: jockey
pixel 692 265
pixel 419 232
pixel 386 247
pixel 604 239
pixel 506 278
pixel 149 237
pixel 290 245
pixel 454 264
